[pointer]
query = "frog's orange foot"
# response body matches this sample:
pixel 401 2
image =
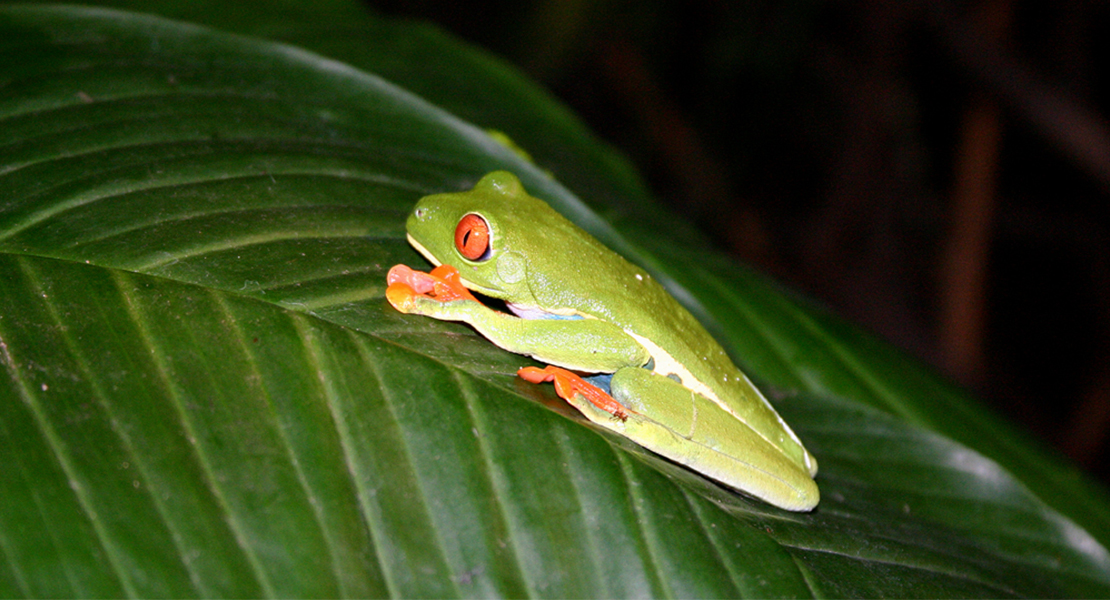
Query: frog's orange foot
pixel 442 285
pixel 567 385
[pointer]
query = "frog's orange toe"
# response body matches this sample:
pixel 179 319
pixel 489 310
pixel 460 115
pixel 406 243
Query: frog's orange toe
pixel 400 295
pixel 418 281
pixel 534 375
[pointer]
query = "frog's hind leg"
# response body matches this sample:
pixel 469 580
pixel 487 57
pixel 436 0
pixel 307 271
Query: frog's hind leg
pixel 688 428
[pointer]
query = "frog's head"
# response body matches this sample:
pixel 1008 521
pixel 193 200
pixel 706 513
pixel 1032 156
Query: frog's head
pixel 496 235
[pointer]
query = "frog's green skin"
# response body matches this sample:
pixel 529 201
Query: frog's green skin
pixel 693 405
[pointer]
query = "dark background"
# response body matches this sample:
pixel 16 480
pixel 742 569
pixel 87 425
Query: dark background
pixel 936 171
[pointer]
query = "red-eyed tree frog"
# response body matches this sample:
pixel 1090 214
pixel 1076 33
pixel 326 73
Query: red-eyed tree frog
pixel 622 350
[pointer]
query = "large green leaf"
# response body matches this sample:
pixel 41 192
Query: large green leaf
pixel 205 393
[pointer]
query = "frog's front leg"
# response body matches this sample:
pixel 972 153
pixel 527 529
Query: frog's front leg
pixel 588 345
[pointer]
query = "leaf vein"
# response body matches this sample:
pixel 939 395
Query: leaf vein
pixel 158 358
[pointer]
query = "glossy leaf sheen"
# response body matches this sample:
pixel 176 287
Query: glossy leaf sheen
pixel 204 392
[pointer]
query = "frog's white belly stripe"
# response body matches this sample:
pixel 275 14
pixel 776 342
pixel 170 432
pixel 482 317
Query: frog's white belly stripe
pixel 789 431
pixel 665 364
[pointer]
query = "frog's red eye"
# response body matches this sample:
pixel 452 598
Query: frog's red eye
pixel 472 237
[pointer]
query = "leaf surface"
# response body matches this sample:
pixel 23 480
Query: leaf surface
pixel 206 394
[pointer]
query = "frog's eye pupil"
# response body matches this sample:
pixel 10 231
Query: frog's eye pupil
pixel 472 237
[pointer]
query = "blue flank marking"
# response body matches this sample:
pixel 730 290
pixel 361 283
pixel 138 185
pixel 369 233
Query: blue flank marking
pixel 601 380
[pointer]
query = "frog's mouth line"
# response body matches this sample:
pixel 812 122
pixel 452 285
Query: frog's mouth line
pixel 422 250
